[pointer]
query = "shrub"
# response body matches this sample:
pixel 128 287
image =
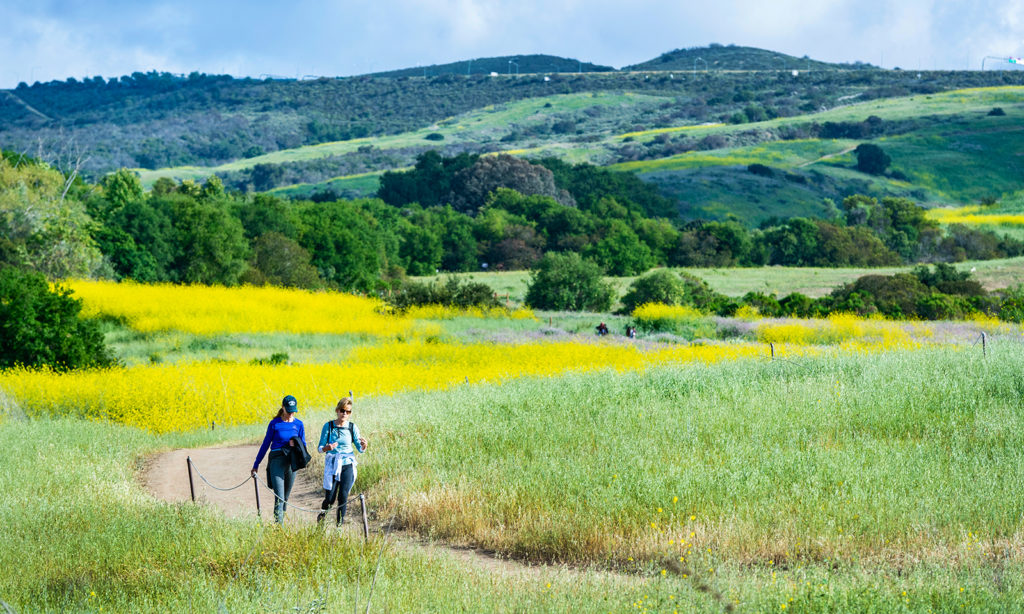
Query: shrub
pixel 669 288
pixel 567 282
pixel 871 159
pixel 42 327
pixel 453 292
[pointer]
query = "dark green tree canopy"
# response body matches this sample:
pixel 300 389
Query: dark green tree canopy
pixel 40 327
pixel 871 159
pixel 567 282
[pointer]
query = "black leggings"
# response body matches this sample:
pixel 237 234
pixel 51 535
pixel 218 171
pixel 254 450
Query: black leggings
pixel 339 492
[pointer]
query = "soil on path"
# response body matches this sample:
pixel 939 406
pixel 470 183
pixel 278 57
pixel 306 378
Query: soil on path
pixel 165 476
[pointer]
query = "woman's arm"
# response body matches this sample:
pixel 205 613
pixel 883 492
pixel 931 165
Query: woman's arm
pixel 359 443
pixel 263 448
pixel 325 434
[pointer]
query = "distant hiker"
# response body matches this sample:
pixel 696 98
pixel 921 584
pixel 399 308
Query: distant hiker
pixel 631 332
pixel 286 440
pixel 602 329
pixel 339 440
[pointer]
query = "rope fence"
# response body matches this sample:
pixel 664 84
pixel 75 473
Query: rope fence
pixel 259 482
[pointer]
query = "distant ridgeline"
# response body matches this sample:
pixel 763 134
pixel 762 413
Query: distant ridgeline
pixel 507 65
pixel 733 57
pixel 447 214
pixel 157 120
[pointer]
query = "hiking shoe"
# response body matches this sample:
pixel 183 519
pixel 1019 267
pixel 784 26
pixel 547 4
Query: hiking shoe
pixel 320 517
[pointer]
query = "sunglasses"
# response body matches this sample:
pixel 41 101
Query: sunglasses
pixel 344 411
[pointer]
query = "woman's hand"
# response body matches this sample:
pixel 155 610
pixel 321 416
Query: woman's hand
pixel 331 446
pixel 253 474
pixel 362 443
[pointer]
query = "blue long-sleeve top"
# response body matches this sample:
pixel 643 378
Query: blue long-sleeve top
pixel 343 437
pixel 279 433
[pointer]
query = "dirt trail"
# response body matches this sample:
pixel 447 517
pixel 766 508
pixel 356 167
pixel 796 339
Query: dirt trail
pixel 165 475
pixel 827 156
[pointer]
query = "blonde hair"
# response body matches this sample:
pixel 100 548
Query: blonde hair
pixel 344 402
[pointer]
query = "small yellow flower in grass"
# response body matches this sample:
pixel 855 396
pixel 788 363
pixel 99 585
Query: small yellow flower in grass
pixel 692 533
pixel 630 559
pixel 659 510
pixel 92 593
pixel 549 585
pixel 671 541
pixel 693 517
pixel 782 606
pixel 675 499
pixel 961 589
pixel 663 572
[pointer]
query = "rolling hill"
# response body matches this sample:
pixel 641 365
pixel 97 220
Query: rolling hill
pixel 692 135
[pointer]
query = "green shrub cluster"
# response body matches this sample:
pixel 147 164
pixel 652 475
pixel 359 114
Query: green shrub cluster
pixel 452 292
pixel 938 292
pixel 40 327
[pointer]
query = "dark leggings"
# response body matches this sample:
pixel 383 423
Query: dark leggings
pixel 339 492
pixel 280 477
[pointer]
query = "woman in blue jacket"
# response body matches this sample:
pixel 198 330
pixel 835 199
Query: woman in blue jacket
pixel 339 440
pixel 280 432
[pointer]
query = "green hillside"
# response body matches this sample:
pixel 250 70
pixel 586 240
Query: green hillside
pixel 159 120
pixel 733 57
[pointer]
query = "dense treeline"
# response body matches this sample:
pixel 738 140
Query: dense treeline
pixel 447 214
pixel 154 120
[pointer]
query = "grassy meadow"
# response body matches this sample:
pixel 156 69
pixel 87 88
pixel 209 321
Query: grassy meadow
pixel 870 466
pixel 732 281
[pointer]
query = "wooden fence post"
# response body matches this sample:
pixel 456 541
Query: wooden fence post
pixel 191 486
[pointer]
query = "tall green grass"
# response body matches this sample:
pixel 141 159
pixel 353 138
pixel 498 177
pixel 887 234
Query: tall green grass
pixel 882 482
pixel 80 534
pixel 871 458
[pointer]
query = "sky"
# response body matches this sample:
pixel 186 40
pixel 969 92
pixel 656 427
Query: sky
pixel 43 40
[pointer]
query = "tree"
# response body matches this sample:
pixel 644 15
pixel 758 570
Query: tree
pixel 567 282
pixel 40 327
pixel 621 252
pixel 121 187
pixel 871 159
pixel 280 261
pixel 472 186
pixel 210 245
pixel 44 228
pixel 350 247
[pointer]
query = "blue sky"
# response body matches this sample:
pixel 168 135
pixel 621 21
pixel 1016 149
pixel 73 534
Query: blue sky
pixel 43 40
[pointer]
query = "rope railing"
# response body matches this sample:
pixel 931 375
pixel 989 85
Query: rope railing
pixel 259 482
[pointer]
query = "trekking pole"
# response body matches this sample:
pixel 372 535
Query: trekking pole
pixel 366 525
pixel 984 352
pixel 256 487
pixel 191 486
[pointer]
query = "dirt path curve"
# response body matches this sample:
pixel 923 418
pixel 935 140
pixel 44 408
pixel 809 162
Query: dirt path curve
pixel 827 156
pixel 165 476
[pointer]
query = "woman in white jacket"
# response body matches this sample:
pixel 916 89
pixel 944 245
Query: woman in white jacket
pixel 339 440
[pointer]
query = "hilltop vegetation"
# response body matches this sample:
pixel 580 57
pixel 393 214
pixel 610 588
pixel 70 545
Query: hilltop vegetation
pixel 512 64
pixel 155 120
pixel 734 57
